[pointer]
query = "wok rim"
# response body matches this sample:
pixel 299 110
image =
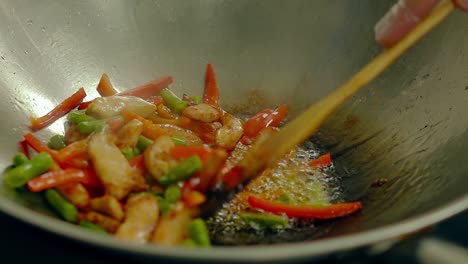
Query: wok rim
pixel 240 254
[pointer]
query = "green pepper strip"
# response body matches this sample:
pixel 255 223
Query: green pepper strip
pixel 21 174
pixel 65 209
pixel 78 116
pixel 199 233
pixel 93 227
pixel 182 171
pixel 56 142
pixel 172 193
pixel 265 220
pixel 172 101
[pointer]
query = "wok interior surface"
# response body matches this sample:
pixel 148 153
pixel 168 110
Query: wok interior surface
pixel 409 126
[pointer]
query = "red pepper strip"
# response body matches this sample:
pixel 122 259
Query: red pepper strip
pixel 211 93
pixel 150 130
pixel 138 163
pixel 181 121
pixel 23 148
pixel 304 211
pixel 182 152
pixel 105 87
pixel 84 105
pixel 322 161
pixel 38 146
pixel 60 110
pixel 75 149
pixel 147 90
pixel 265 118
pixel 233 177
pixel 53 179
pixel 155 99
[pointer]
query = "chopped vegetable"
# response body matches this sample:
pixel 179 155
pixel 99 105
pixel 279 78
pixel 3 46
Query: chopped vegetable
pixel 60 110
pixel 150 130
pixel 130 153
pixel 322 161
pixel 265 220
pixel 65 209
pixel 143 143
pixel 182 171
pixel 105 87
pixel 92 227
pixel 19 159
pixel 211 93
pixel 196 99
pixel 78 116
pixel 149 89
pixel 38 146
pixel 21 174
pixel 265 118
pixel 182 152
pixel 304 211
pixel 56 178
pixel 199 233
pixel 172 101
pixel 172 193
pixel 179 141
pixel 56 142
pixel 88 127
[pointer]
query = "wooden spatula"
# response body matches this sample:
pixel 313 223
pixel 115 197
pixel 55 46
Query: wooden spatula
pixel 299 129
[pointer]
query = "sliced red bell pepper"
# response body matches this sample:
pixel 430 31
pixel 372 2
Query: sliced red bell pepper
pixel 138 163
pixel 211 93
pixel 183 152
pixel 75 149
pixel 56 178
pixel 233 177
pixel 23 148
pixel 304 211
pixel 60 110
pixel 105 87
pixel 147 90
pixel 322 161
pixel 84 105
pixel 263 119
pixel 181 121
pixel 38 146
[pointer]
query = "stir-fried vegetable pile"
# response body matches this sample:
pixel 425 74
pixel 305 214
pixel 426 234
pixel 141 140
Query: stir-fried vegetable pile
pixel 139 164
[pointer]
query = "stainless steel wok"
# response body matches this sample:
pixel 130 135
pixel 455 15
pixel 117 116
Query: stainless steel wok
pixel 410 126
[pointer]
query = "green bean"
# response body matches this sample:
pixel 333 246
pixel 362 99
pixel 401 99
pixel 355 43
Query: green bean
pixel 164 205
pixel 56 142
pixel 19 159
pixel 172 101
pixel 199 233
pixel 182 171
pixel 189 243
pixel 172 193
pixel 179 141
pixel 88 127
pixel 265 220
pixel 92 227
pixel 130 153
pixel 78 116
pixel 143 143
pixel 65 209
pixel 21 174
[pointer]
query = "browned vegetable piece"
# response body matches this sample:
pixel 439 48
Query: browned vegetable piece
pixel 107 223
pixel 110 165
pixel 75 193
pixel 141 217
pixel 108 205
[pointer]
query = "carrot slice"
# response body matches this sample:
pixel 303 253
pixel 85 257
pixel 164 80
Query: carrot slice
pixel 211 93
pixel 304 211
pixel 322 161
pixel 60 110
pixel 150 130
pixel 147 90
pixel 105 87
